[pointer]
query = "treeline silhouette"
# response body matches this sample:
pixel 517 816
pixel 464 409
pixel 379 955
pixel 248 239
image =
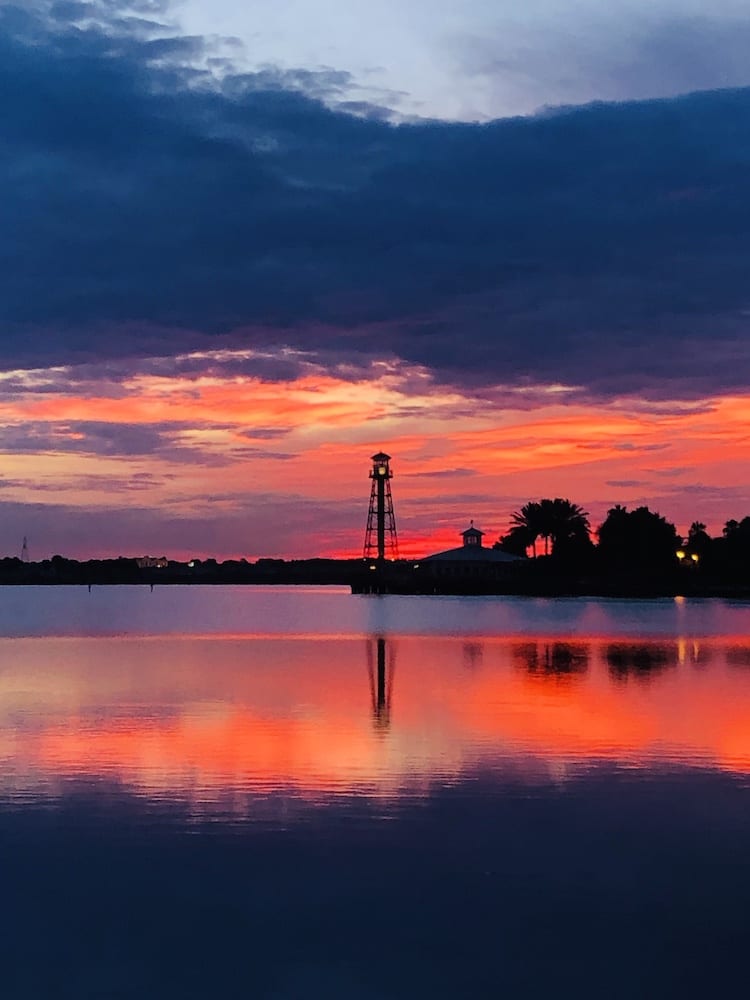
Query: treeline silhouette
pixel 632 553
pixel 640 661
pixel 636 543
pixel 59 570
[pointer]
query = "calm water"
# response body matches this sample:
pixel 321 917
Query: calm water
pixel 282 793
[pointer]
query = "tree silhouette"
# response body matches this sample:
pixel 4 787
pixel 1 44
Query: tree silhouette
pixel 516 542
pixel 737 534
pixel 559 522
pixel 546 522
pixel 637 540
pixel 730 555
pixel 528 519
pixel 698 540
pixel 569 524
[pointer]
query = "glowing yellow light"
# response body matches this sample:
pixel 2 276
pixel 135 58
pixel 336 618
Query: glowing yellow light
pixel 680 554
pixel 381 470
pixel 694 556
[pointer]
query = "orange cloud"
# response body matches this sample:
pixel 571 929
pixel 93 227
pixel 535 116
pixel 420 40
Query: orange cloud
pixel 454 457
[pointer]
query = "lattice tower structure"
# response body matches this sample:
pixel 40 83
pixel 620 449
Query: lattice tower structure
pixel 381 539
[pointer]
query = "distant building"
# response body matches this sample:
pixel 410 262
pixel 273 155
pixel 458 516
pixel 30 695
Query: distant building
pixel 152 562
pixel 472 559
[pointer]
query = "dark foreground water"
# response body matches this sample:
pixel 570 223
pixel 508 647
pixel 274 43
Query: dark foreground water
pixel 298 793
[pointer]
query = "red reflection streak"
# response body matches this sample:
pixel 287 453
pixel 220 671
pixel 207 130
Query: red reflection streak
pixel 298 714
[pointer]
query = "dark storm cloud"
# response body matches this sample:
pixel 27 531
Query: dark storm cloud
pixel 89 437
pixel 110 440
pixel 168 441
pixel 138 482
pixel 149 211
pixel 109 377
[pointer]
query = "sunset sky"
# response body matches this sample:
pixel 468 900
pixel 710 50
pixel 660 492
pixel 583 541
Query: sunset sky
pixel 247 244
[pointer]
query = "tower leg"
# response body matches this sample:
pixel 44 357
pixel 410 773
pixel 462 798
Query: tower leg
pixel 381 519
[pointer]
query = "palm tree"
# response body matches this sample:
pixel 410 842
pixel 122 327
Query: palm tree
pixel 547 522
pixel 528 518
pixel 557 521
pixel 516 541
pixel 571 521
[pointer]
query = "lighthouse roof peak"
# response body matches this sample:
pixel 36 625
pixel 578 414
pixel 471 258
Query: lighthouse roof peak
pixel 381 457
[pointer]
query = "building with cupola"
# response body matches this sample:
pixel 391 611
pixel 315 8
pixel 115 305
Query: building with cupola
pixel 471 559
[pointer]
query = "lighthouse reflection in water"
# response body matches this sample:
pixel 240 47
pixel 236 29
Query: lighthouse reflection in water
pixel 381 682
pixel 193 811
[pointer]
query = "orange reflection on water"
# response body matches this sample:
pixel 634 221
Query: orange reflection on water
pixel 197 719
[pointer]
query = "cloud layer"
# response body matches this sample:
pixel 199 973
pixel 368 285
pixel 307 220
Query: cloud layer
pixel 485 59
pixel 150 210
pixel 222 290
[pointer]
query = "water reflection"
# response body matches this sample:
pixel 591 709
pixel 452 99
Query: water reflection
pixel 640 661
pixel 473 654
pixel 381 683
pixel 214 721
pixel 553 658
pixel 219 814
pixel 330 611
pixel 738 656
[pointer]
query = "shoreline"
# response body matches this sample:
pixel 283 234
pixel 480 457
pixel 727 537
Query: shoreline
pixel 526 579
pixel 708 592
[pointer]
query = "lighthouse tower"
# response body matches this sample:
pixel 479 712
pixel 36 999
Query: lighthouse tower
pixel 381 540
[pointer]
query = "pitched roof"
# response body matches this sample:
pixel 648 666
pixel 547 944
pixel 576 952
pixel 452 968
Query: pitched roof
pixel 472 553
